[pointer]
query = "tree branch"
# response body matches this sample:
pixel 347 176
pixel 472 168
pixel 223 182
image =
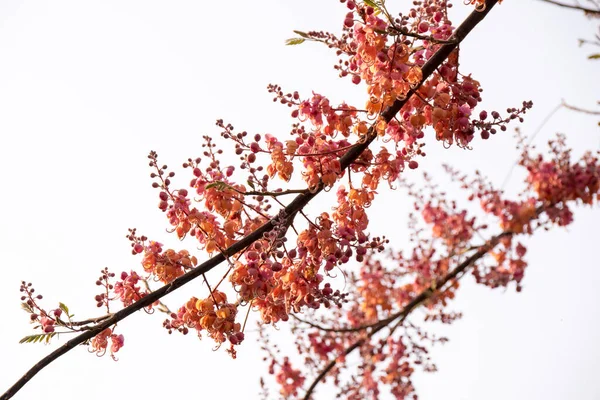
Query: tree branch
pixel 410 307
pixel 574 7
pixel 417 301
pixel 294 206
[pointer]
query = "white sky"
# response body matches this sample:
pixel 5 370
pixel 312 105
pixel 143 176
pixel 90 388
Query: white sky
pixel 88 88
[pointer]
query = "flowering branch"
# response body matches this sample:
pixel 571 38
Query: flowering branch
pixel 292 209
pixel 412 305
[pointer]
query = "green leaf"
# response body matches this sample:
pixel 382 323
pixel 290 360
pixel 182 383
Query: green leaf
pixel 251 184
pixel 294 41
pixel 38 338
pixel 63 307
pixel 304 35
pixel 219 185
pixel 26 307
pixel 50 336
pixel 24 340
pixel 594 56
pixel 371 3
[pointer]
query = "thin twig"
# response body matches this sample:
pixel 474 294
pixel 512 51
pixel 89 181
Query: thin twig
pixel 403 31
pixel 581 110
pixel 69 324
pixel 271 194
pixel 573 7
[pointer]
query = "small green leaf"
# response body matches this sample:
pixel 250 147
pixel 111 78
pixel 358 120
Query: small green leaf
pixel 371 3
pixel 50 336
pixel 594 56
pixel 251 184
pixel 26 307
pixel 29 339
pixel 294 41
pixel 63 307
pixel 304 35
pixel 219 185
pixel 38 338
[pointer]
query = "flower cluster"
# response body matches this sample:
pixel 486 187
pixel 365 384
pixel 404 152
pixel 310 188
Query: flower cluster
pixel 288 378
pixel 45 319
pixel 213 314
pixel 99 344
pixel 166 265
pixel 508 266
pixel 277 281
pixel 127 289
pixel 453 228
pixel 558 180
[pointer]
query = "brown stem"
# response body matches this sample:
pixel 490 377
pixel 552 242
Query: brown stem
pixel 293 207
pixel 69 324
pixel 573 7
pixel 581 110
pixel 271 194
pixel 162 307
pixel 431 39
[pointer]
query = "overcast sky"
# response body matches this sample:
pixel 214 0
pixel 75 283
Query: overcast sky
pixel 87 88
